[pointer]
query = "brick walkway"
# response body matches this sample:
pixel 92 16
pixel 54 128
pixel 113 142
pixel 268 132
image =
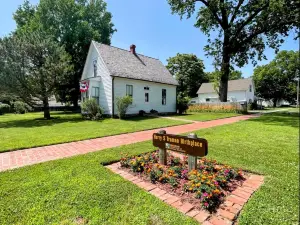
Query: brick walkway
pixel 20 158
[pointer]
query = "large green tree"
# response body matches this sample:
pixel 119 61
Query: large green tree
pixel 277 80
pixel 188 70
pixel 32 65
pixel 244 29
pixel 73 24
pixel 215 75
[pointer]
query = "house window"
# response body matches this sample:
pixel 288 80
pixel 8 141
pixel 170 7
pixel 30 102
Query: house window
pixel 250 88
pixel 95 94
pixel 164 96
pixel 95 67
pixel 129 90
pixel 207 100
pixel 146 97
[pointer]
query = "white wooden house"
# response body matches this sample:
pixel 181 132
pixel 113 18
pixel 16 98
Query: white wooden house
pixel 110 72
pixel 241 90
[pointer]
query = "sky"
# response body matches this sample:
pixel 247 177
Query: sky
pixel 150 25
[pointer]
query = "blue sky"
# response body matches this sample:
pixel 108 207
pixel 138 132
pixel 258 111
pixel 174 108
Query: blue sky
pixel 150 25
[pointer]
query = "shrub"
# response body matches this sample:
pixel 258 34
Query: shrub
pixel 142 113
pixel 122 105
pixel 21 107
pixel 253 105
pixel 4 108
pixel 91 110
pixel 153 111
pixel 182 103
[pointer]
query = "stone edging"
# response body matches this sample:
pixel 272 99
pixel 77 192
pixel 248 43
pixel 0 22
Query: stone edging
pixel 226 214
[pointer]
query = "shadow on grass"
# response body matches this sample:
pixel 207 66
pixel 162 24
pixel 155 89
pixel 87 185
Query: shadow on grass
pixel 280 118
pixel 39 122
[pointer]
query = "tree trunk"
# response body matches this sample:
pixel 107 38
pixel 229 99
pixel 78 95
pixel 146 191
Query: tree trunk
pixel 46 108
pixel 225 70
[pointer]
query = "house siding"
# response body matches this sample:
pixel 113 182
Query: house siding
pixel 238 95
pixel 155 95
pixel 103 79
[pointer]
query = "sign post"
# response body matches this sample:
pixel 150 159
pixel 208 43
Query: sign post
pixel 190 145
pixel 192 160
pixel 162 151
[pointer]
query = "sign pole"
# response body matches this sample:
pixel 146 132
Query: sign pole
pixel 162 151
pixel 192 160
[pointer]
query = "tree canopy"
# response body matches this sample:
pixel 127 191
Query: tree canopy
pixel 215 75
pixel 32 65
pixel 188 70
pixel 277 80
pixel 244 29
pixel 72 24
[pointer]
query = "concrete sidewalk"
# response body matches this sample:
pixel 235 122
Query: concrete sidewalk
pixel 20 158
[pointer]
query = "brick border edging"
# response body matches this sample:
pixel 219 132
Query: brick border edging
pixel 226 214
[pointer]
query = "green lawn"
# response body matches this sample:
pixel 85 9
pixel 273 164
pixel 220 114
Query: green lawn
pixel 60 191
pixel 205 116
pixel 29 130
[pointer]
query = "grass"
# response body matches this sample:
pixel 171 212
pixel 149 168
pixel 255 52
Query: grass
pixel 29 130
pixel 60 191
pixel 205 116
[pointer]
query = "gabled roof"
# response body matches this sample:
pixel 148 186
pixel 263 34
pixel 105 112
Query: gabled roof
pixel 123 63
pixel 233 85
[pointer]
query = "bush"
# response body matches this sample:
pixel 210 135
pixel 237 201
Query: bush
pixel 4 108
pixel 153 111
pixel 182 103
pixel 253 105
pixel 122 105
pixel 91 110
pixel 21 107
pixel 142 113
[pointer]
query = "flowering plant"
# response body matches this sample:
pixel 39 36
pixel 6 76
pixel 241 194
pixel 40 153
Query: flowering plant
pixel 208 182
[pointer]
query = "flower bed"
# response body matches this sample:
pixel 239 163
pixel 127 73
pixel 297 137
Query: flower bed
pixel 209 184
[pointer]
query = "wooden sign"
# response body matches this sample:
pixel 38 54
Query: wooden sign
pixel 188 145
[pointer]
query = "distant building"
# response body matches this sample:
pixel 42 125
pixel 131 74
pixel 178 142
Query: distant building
pixel 241 90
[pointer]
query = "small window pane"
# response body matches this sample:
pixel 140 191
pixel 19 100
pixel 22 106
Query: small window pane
pixel 129 90
pixel 95 67
pixel 164 96
pixel 146 97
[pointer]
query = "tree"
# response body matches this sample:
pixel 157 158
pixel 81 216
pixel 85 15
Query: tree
pixel 188 70
pixel 277 80
pixel 215 75
pixel 244 28
pixel 73 24
pixel 32 66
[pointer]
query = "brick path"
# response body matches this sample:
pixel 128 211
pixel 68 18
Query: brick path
pixel 20 158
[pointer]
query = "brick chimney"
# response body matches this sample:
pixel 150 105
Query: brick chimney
pixel 132 49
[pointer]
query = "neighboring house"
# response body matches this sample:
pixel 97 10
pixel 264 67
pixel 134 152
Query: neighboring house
pixel 110 72
pixel 241 90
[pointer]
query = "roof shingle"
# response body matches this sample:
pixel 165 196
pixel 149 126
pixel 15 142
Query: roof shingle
pixel 122 63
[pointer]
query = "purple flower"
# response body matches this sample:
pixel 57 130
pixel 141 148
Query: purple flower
pixel 205 194
pixel 205 204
